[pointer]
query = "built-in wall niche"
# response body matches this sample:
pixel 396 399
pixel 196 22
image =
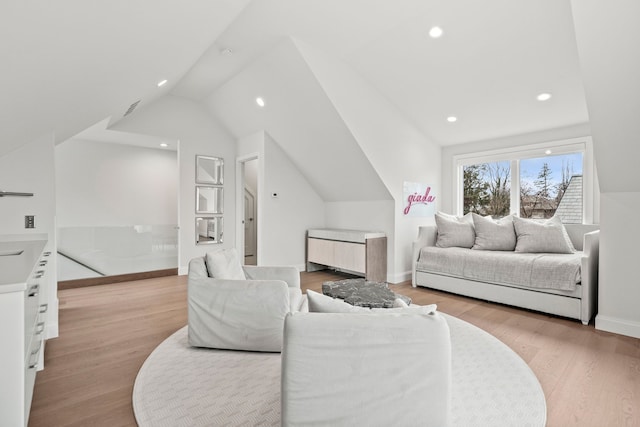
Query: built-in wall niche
pixel 209 230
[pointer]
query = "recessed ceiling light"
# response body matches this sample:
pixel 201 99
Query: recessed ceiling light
pixel 226 51
pixel 162 83
pixel 543 96
pixel 260 101
pixel 164 145
pixel 547 152
pixel 452 119
pixel 435 32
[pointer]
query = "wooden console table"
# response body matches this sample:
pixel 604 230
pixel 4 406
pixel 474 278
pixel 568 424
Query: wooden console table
pixel 354 251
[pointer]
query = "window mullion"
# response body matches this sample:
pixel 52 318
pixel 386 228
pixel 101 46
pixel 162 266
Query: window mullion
pixel 515 187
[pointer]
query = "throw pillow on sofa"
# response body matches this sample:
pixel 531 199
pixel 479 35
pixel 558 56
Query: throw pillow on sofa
pixel 547 236
pixel 494 235
pixel 455 231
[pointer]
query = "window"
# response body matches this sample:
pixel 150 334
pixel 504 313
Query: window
pixel 552 185
pixel 487 188
pixel 532 182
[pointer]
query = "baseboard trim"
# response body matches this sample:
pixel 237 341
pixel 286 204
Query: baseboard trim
pixel 618 326
pixel 399 277
pixel 94 281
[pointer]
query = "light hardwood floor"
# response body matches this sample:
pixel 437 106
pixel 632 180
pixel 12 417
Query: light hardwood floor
pixel 590 378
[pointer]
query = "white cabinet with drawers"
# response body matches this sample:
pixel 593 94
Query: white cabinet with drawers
pixel 23 284
pixel 360 252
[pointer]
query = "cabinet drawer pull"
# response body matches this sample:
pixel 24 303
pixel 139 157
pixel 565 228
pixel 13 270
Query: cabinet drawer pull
pixel 42 263
pixel 43 308
pixel 39 274
pixel 33 291
pixel 46 253
pixel 33 357
pixel 40 328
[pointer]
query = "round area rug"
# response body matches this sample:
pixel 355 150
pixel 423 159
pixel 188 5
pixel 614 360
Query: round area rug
pixel 179 385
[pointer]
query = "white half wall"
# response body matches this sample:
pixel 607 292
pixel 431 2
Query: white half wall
pixel 198 133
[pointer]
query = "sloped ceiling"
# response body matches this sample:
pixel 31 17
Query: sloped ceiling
pixel 608 43
pixel 67 65
pixel 494 58
pixel 301 119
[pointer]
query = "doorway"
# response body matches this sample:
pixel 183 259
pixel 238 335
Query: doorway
pixel 250 205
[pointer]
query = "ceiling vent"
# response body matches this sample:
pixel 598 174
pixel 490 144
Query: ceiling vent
pixel 132 107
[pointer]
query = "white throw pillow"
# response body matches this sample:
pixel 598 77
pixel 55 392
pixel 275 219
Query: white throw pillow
pixel 454 231
pixel 225 264
pixel 494 235
pixel 320 303
pixel 547 236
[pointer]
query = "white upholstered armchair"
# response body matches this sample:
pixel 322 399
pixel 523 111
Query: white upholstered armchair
pixel 239 307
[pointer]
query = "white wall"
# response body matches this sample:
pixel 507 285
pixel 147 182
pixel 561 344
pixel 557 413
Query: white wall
pixel 397 150
pixel 198 133
pixel 31 169
pixel 282 220
pixel 607 39
pixel 103 184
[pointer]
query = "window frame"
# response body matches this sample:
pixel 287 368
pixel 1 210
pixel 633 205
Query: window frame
pixel 514 155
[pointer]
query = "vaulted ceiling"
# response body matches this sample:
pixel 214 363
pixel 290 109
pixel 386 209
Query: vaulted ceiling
pixel 487 68
pixel 69 65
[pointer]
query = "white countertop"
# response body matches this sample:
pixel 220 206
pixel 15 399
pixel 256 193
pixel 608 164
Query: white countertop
pixel 15 269
pixel 356 236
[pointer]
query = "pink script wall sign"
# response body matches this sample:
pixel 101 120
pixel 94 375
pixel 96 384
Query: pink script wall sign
pixel 419 199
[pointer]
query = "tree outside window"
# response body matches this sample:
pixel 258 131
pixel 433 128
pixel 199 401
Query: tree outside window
pixel 487 189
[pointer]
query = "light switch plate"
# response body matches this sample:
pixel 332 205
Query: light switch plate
pixel 29 221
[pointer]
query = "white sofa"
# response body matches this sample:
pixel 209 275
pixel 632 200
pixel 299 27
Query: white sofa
pixel 578 303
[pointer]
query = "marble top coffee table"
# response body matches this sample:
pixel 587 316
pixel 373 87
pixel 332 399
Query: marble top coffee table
pixel 362 293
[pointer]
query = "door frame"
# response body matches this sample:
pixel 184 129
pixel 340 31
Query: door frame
pixel 240 161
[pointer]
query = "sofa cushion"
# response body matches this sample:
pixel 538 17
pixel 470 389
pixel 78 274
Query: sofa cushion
pixel 225 264
pixel 455 231
pixel 494 235
pixel 547 236
pixel 533 270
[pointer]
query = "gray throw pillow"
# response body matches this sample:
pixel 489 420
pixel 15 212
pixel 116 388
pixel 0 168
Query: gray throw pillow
pixel 494 235
pixel 547 236
pixel 454 231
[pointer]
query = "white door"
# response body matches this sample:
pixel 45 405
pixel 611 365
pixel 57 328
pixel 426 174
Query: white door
pixel 250 230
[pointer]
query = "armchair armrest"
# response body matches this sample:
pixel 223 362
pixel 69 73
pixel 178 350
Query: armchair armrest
pixel 288 274
pixel 427 235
